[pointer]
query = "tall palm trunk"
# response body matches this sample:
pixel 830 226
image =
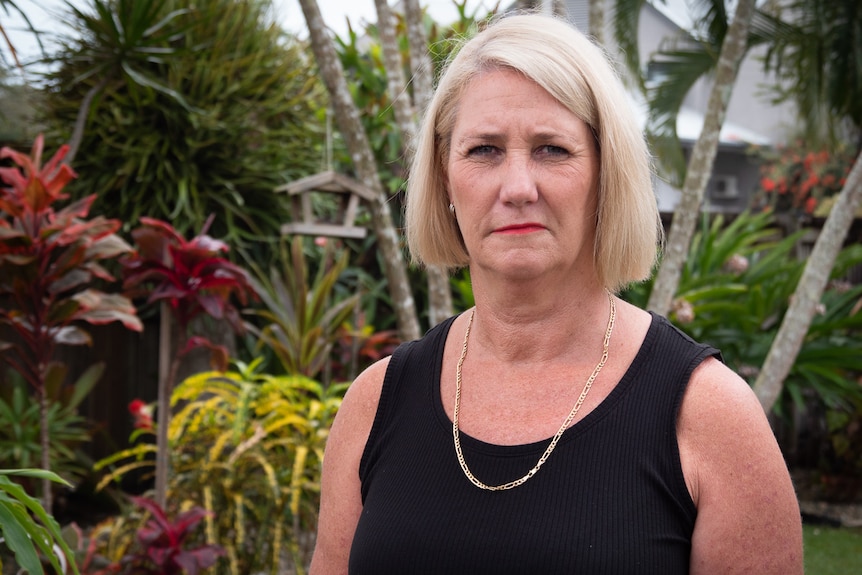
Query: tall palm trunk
pixel 347 117
pixel 702 158
pixel 597 21
pixel 406 115
pixel 791 335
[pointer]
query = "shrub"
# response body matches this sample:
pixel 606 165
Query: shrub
pixel 248 447
pixel 736 287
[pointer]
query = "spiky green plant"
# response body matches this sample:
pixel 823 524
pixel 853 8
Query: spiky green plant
pixel 301 318
pixel 208 108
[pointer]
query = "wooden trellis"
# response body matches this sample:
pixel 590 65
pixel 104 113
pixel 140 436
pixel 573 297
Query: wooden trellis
pixel 351 192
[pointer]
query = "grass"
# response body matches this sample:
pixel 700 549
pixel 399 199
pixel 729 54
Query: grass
pixel 832 551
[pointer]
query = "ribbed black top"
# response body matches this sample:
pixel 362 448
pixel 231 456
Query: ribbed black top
pixel 611 499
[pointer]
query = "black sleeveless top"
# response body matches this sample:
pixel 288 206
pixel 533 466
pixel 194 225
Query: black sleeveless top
pixel 611 499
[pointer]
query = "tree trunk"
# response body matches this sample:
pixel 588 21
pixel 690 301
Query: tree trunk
pixel 791 335
pixel 702 158
pixel 439 289
pixel 597 21
pixel 420 62
pixel 45 440
pixel 395 84
pixel 350 126
pixel 163 406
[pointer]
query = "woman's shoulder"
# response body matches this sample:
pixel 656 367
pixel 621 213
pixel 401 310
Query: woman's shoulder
pixel 360 400
pixel 748 517
pixel 720 413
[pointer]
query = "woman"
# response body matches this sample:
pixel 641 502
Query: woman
pixel 552 428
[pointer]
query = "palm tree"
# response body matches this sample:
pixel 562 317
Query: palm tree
pixel 733 43
pixel 815 55
pixel 405 108
pixel 122 40
pixel 597 21
pixel 199 108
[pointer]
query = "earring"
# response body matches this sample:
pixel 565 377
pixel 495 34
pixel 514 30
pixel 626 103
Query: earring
pixel 452 208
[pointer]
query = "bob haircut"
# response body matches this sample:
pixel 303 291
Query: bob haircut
pixel 555 55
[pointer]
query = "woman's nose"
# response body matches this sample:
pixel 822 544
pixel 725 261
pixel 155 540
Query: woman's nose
pixel 519 186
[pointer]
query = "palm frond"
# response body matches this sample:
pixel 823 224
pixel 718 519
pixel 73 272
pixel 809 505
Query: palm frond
pixel 677 71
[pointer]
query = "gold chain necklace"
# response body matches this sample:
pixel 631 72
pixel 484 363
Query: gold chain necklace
pixel 457 436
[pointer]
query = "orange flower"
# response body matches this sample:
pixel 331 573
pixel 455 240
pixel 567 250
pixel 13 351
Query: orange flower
pixel 809 183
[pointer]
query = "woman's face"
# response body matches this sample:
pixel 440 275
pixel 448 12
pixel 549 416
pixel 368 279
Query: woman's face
pixel 522 172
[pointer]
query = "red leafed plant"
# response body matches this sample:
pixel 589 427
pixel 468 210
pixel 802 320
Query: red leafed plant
pixel 163 543
pixel 49 258
pixel 190 278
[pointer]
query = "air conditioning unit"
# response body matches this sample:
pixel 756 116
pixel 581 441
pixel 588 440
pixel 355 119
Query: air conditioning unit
pixel 724 187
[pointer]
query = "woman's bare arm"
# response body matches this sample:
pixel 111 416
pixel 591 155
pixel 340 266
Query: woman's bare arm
pixel 748 517
pixel 340 504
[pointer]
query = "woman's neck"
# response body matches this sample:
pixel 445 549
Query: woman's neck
pixel 535 323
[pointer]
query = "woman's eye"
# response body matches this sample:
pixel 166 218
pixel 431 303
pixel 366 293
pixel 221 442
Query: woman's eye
pixel 553 150
pixel 483 150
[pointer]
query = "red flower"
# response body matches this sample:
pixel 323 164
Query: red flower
pixel 809 183
pixel 143 414
pixel 768 184
pixel 810 205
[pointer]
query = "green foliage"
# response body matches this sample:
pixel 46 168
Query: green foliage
pixel 208 107
pixel 248 447
pixel 813 50
pixel 192 280
pixel 16 110
pixel 736 287
pixel 844 458
pixel 20 427
pixel 27 536
pixel 362 59
pixel 302 317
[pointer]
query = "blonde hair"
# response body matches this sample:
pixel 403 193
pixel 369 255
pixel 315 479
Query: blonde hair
pixel 555 55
